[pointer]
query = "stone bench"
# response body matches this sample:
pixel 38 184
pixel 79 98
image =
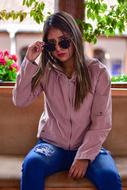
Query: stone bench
pixel 18 135
pixel 10 172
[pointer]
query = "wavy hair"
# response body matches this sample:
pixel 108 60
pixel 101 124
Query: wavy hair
pixel 66 23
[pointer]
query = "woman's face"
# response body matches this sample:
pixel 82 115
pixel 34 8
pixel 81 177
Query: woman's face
pixel 63 55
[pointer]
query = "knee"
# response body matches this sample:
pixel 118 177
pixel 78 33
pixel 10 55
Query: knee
pixel 32 165
pixel 110 176
pixel 108 179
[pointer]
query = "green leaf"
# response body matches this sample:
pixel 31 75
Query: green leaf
pixel 42 5
pixel 97 32
pixel 31 2
pixel 32 12
pixel 7 16
pixel 97 8
pixel 121 1
pixel 103 8
pixel 27 3
pixel 3 13
pixel 23 2
pixel 9 62
pixel 21 17
pixel 24 14
pixel 88 13
pixel 87 26
pixel 94 40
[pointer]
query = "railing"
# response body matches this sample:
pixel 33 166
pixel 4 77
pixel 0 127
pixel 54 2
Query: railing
pixel 114 84
pixel 119 84
pixel 7 83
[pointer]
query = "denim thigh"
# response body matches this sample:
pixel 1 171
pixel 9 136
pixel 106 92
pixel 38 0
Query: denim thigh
pixel 43 160
pixel 103 173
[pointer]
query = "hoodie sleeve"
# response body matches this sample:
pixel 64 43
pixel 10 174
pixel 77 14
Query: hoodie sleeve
pixel 101 119
pixel 22 94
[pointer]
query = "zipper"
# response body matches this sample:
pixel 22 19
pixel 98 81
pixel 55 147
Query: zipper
pixel 70 133
pixel 70 117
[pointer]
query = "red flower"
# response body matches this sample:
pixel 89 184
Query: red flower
pixel 14 57
pixel 14 66
pixel 6 53
pixel 7 64
pixel 1 54
pixel 2 61
pixel 10 57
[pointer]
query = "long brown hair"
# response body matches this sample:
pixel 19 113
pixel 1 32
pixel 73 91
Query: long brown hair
pixel 66 23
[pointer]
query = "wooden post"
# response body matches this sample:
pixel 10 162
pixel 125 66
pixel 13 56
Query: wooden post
pixel 73 7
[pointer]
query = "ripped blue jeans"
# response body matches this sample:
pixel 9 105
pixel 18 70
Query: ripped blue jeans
pixel 46 159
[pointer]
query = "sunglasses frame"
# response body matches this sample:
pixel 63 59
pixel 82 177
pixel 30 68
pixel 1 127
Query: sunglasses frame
pixel 63 43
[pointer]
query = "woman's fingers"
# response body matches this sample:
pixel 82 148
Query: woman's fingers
pixel 37 47
pixel 78 168
pixel 76 173
pixel 71 171
pixel 34 50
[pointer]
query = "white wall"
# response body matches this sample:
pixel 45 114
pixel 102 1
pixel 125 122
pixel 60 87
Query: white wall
pixel 4 41
pixel 24 39
pixel 116 48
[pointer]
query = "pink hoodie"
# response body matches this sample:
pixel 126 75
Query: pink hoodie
pixel 84 130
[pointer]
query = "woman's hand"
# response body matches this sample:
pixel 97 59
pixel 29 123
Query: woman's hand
pixel 78 168
pixel 34 50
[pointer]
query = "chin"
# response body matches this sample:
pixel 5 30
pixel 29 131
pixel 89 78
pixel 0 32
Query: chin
pixel 62 60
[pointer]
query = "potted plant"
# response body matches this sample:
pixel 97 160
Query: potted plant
pixel 8 67
pixel 119 81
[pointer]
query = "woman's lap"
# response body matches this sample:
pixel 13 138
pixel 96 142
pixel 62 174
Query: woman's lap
pixel 51 159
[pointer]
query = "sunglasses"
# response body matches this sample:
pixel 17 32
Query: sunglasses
pixel 63 43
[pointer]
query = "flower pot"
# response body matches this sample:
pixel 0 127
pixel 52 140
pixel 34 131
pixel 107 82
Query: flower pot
pixel 7 83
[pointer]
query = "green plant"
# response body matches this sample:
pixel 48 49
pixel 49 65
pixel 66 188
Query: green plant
pixel 119 78
pixel 8 66
pixel 106 20
pixel 35 10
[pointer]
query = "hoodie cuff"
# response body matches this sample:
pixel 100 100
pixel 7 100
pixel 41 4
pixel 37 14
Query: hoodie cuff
pixel 86 156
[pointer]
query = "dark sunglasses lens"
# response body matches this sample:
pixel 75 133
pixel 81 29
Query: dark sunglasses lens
pixel 65 43
pixel 50 47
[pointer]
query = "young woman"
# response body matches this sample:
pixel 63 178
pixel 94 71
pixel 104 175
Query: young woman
pixel 77 114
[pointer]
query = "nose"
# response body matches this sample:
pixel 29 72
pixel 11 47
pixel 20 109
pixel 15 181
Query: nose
pixel 58 48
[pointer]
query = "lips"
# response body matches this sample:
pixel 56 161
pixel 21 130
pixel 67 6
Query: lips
pixel 61 54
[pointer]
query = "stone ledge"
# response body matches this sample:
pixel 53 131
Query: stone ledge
pixel 10 173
